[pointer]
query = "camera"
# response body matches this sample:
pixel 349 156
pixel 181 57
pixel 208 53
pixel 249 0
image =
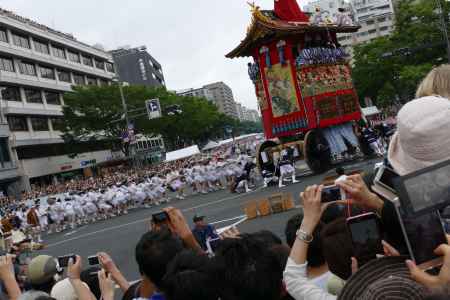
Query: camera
pixel 331 194
pixel 93 260
pixel 160 217
pixel 63 261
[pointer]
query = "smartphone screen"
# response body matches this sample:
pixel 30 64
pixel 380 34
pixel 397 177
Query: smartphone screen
pixel 93 260
pixel 424 234
pixel 63 261
pixel 331 194
pixel 160 217
pixel 387 178
pixel 366 237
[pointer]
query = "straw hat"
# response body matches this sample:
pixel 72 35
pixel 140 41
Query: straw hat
pixel 383 278
pixel 422 137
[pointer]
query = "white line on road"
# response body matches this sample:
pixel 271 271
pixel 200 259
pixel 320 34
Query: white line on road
pixel 143 220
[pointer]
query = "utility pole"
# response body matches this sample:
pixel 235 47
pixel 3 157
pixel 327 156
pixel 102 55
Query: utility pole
pixel 443 25
pixel 124 104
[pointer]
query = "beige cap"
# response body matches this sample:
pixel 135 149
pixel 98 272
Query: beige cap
pixel 423 135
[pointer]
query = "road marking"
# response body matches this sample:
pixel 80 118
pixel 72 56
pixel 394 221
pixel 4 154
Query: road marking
pixel 143 220
pixel 227 220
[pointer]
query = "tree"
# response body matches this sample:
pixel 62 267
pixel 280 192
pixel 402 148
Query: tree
pixel 93 112
pixel 390 68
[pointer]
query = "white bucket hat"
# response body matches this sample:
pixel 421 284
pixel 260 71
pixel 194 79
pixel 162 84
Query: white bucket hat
pixel 423 135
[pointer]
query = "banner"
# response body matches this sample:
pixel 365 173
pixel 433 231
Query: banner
pixel 282 90
pixel 324 79
pixel 260 95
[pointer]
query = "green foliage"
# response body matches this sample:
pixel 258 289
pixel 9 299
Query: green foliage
pixel 93 112
pixel 386 78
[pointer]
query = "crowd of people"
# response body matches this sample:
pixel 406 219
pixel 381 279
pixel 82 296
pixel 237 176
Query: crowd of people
pixel 58 207
pixel 316 262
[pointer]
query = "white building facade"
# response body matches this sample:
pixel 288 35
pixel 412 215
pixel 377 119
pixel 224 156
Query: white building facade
pixel 376 18
pixel 219 93
pixel 37 66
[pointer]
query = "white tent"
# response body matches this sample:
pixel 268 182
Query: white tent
pixel 182 153
pixel 211 145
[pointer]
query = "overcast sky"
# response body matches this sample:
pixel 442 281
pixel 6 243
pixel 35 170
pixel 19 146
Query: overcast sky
pixel 188 37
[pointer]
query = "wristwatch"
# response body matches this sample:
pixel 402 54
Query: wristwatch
pixel 304 236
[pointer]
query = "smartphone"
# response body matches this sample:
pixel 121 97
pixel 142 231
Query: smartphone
pixel 385 177
pixel 426 190
pixel 93 260
pixel 423 235
pixel 63 261
pixel 331 194
pixel 160 217
pixel 366 237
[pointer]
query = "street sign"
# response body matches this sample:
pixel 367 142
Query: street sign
pixel 153 108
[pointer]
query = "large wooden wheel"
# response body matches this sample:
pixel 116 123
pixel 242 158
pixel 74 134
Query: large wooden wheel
pixel 261 148
pixel 317 152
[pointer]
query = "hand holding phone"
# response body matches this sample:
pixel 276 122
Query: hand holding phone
pixel 161 217
pixel 331 194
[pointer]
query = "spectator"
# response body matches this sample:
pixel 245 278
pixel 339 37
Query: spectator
pixel 154 251
pixel 437 82
pixel 8 279
pixel 247 269
pixel 42 272
pixel 189 277
pixel 203 231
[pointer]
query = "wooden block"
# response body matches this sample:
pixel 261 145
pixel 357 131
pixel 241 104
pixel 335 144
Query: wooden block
pixel 276 203
pixel 288 201
pixel 251 209
pixel 264 207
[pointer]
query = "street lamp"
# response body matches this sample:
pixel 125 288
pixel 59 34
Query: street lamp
pixel 443 25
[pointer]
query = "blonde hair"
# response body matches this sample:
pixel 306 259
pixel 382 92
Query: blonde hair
pixel 436 83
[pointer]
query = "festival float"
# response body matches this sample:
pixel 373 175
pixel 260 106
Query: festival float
pixel 303 83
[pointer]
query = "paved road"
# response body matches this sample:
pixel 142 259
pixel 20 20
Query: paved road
pixel 119 236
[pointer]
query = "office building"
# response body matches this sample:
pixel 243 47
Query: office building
pixel 219 93
pixel 376 18
pixel 247 114
pixel 38 65
pixel 137 67
pixel 329 7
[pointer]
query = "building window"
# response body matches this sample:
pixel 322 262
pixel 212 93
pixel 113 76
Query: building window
pixel 27 68
pixel 48 73
pixel 382 19
pixel 103 82
pixel 6 64
pixel 64 76
pixel 91 81
pixel 59 52
pixel 33 96
pixel 4 151
pixel 39 123
pixel 21 41
pixel 78 79
pixel 58 124
pixel 100 64
pixel 87 61
pixel 52 98
pixel 17 123
pixel 384 28
pixel 3 36
pixel 109 67
pixel 74 57
pixel 11 93
pixel 41 47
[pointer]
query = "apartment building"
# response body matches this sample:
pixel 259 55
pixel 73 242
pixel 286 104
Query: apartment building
pixel 38 65
pixel 219 93
pixel 247 114
pixel 137 67
pixel 376 18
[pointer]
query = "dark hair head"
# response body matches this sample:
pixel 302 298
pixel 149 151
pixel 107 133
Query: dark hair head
pixel 44 287
pixel 315 257
pixel 188 277
pixel 337 248
pixel 267 237
pixel 247 269
pixel 154 252
pixel 45 298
